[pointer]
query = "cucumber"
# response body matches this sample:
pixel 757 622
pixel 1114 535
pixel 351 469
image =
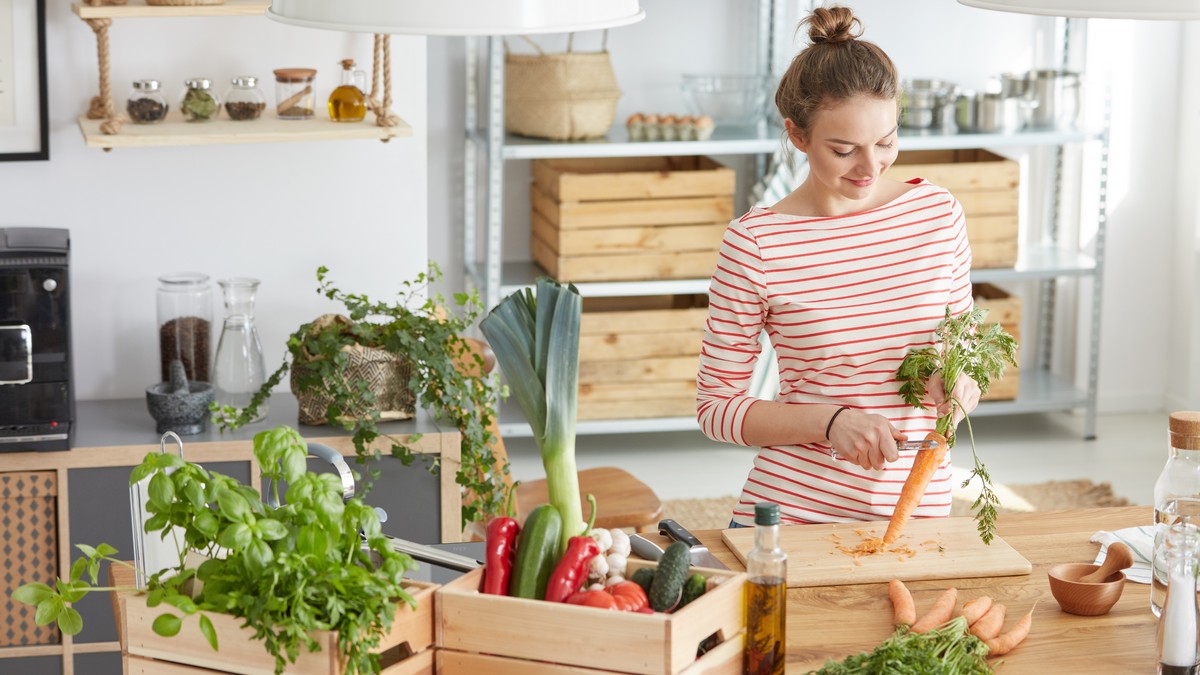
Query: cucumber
pixel 670 577
pixel 693 588
pixel 643 577
pixel 537 553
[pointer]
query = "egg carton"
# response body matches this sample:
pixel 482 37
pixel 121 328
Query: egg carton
pixel 652 127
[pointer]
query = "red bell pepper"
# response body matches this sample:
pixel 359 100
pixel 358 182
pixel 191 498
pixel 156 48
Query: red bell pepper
pixel 600 599
pixel 572 568
pixel 501 548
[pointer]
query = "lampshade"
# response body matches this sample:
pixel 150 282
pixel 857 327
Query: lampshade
pixel 1096 9
pixel 457 17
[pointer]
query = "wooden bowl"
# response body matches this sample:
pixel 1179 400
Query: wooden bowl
pixel 1077 597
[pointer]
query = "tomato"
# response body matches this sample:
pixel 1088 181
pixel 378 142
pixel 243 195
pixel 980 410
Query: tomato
pixel 629 596
pixel 600 599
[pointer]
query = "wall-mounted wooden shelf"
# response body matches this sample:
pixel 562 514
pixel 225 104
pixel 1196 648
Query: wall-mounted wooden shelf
pixel 267 129
pixel 139 9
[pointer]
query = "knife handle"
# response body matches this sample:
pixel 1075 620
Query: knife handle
pixel 677 532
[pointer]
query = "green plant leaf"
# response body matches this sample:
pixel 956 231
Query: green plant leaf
pixel 33 593
pixel 312 541
pixel 72 592
pixel 106 550
pixel 206 523
pixel 89 551
pixel 237 536
pixel 167 625
pixel 69 621
pixel 161 490
pixel 182 603
pixel 78 568
pixel 209 632
pixel 233 506
pixel 258 556
pixel 48 610
pixel 270 530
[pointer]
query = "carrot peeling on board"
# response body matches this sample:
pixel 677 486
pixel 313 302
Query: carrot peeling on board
pixel 988 626
pixel 973 610
pixel 940 612
pixel 925 464
pixel 904 610
pixel 1007 641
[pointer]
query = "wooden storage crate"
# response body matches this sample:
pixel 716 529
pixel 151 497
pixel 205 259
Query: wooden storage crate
pixel 986 185
pixel 1004 309
pixel 629 218
pixel 638 356
pixel 406 649
pixel 29 530
pixel 539 637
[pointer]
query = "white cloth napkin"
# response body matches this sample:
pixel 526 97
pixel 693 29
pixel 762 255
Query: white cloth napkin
pixel 1140 540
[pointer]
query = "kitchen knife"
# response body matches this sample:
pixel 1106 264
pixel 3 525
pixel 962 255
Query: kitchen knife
pixel 699 553
pixel 434 556
pixel 645 548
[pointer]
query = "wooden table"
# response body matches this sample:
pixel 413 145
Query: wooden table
pixel 836 621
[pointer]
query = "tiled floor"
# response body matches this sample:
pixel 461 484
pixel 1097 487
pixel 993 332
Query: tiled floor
pixel 1128 453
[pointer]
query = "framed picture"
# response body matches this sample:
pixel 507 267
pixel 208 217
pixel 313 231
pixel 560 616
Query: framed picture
pixel 24 127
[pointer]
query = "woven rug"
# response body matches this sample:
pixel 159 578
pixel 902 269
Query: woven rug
pixel 712 514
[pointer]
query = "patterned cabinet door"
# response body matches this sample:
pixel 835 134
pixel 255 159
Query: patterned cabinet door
pixel 28 551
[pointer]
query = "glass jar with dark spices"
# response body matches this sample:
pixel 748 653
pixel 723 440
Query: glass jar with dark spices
pixel 146 104
pixel 294 98
pixel 199 103
pixel 244 100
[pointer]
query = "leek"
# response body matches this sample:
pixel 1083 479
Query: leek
pixel 536 341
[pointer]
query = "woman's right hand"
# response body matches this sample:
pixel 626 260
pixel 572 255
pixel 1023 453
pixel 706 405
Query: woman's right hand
pixel 865 439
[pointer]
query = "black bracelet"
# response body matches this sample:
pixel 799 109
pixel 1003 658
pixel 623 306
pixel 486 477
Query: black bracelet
pixel 829 426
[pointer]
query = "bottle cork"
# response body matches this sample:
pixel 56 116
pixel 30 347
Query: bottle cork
pixel 1184 429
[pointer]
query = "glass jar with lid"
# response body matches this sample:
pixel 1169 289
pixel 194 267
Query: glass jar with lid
pixel 146 104
pixel 199 103
pixel 185 309
pixel 294 98
pixel 244 100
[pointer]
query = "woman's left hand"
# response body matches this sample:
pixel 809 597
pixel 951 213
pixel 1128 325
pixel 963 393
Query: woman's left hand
pixel 966 393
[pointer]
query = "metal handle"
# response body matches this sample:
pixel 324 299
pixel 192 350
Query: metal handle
pixel 335 458
pixel 677 532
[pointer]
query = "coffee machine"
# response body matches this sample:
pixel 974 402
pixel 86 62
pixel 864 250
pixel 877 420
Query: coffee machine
pixel 37 397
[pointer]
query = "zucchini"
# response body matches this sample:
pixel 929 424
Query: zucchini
pixel 670 577
pixel 693 588
pixel 537 553
pixel 643 577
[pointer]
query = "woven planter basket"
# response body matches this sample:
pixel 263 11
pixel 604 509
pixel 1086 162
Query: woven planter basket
pixel 565 96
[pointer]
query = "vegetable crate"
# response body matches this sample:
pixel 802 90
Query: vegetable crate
pixel 638 356
pixel 629 218
pixel 29 530
pixel 1004 309
pixel 986 185
pixel 478 633
pixel 406 649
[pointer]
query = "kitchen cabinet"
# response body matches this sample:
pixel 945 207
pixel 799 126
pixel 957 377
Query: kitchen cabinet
pixel 1046 261
pixel 174 130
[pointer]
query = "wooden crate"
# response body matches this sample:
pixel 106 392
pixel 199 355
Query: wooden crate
pixel 405 649
pixel 29 530
pixel 986 185
pixel 1004 309
pixel 546 637
pixel 638 356
pixel 629 218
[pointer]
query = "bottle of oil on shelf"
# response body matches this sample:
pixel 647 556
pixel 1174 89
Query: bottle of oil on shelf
pixel 1176 496
pixel 348 103
pixel 766 596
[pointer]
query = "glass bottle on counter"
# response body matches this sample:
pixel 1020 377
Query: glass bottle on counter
pixel 240 370
pixel 1179 626
pixel 199 103
pixel 1176 495
pixel 146 104
pixel 766 596
pixel 185 324
pixel 244 100
pixel 348 103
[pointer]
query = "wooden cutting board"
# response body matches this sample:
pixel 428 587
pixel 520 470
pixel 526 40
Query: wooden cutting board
pixel 942 548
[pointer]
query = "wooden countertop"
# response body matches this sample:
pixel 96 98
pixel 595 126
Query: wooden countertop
pixel 836 621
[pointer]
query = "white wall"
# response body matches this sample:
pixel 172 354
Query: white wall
pixel 274 211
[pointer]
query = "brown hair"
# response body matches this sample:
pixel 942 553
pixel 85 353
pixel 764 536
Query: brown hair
pixel 835 67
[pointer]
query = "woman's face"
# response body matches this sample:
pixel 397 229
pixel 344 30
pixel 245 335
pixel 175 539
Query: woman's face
pixel 849 146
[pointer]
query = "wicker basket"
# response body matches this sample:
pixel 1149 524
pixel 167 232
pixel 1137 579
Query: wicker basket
pixel 565 96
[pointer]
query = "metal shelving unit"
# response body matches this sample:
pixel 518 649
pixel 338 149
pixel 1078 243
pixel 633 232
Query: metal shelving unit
pixel 1047 262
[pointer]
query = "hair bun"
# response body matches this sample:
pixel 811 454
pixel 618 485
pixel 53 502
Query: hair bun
pixel 832 25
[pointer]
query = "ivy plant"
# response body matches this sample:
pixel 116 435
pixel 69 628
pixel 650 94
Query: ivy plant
pixel 314 563
pixel 416 326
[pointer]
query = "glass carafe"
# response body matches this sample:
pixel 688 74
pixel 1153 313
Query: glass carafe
pixel 348 103
pixel 1176 495
pixel 240 370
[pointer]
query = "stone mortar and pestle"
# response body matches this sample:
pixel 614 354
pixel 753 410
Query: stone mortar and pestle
pixel 179 405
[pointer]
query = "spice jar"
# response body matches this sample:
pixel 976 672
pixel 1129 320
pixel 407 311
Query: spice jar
pixel 146 104
pixel 198 102
pixel 294 98
pixel 244 100
pixel 185 308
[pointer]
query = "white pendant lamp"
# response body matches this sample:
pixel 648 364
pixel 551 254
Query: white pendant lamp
pixel 457 17
pixel 1096 9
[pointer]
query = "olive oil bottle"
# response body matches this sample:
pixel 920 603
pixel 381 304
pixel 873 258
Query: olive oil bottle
pixel 766 596
pixel 348 103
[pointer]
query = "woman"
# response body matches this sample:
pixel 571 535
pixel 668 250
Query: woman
pixel 846 274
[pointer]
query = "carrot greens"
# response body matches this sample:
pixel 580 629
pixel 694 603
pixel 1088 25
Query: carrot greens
pixel 948 649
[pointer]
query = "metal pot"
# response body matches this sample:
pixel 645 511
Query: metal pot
pixel 923 104
pixel 990 112
pixel 1056 93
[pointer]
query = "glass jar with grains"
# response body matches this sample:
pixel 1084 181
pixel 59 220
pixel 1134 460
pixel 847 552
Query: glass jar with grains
pixel 198 102
pixel 294 98
pixel 244 100
pixel 146 104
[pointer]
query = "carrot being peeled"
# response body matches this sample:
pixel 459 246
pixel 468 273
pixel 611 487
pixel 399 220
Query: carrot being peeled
pixel 988 626
pixel 1006 642
pixel 904 610
pixel 973 610
pixel 939 613
pixel 925 464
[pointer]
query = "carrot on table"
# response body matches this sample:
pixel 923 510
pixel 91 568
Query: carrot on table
pixel 988 626
pixel 925 464
pixel 1006 642
pixel 940 612
pixel 972 610
pixel 904 610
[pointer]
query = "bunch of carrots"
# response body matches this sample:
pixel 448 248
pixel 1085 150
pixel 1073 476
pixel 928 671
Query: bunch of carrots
pixel 984 617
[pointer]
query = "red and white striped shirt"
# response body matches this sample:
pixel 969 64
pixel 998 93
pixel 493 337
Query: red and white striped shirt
pixel 843 299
